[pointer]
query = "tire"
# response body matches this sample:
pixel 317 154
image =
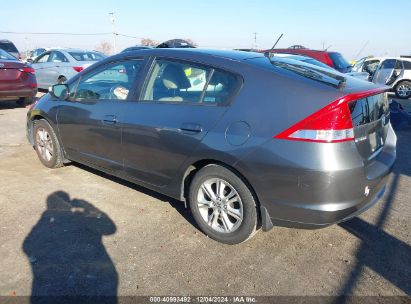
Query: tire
pixel 403 89
pixel 231 222
pixel 61 79
pixel 47 145
pixel 24 101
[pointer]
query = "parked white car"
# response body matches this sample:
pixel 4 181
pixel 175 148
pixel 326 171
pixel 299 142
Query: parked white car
pixel 396 73
pixel 57 65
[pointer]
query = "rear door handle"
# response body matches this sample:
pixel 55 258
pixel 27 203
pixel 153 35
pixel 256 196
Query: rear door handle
pixel 191 128
pixel 109 120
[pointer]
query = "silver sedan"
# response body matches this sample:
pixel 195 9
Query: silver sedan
pixel 58 65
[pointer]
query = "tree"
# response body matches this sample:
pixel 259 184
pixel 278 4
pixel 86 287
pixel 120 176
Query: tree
pixel 191 41
pixel 105 47
pixel 148 42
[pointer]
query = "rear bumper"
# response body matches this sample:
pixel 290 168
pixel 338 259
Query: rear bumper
pixel 316 185
pixel 17 93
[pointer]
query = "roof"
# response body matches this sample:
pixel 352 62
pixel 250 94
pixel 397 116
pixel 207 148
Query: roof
pixel 226 54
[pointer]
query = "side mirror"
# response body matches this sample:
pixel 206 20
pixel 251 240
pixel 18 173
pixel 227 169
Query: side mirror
pixel 29 60
pixel 60 91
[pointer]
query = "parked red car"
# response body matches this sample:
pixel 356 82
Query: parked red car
pixel 17 80
pixel 332 59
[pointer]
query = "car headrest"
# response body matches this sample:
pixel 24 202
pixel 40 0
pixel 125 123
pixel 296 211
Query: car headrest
pixel 175 78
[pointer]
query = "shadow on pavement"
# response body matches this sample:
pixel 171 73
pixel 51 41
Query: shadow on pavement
pixel 380 251
pixel 67 255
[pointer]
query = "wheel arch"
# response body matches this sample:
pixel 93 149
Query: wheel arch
pixel 36 117
pixel 198 165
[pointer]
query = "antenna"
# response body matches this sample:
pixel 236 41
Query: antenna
pixel 361 50
pixel 278 40
pixel 328 47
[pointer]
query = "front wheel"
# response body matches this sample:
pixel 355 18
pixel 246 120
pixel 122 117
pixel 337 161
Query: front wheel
pixel 47 145
pixel 403 90
pixel 222 205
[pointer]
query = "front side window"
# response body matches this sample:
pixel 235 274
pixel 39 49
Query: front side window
pixel 173 81
pixel 57 57
pixel 112 81
pixel 43 58
pixel 407 65
pixel 388 64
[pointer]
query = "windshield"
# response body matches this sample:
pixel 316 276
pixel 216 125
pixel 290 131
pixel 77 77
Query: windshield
pixel 8 47
pixel 339 62
pixel 6 56
pixel 87 56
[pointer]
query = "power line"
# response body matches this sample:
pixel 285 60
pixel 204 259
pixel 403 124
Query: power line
pixel 56 33
pixel 70 34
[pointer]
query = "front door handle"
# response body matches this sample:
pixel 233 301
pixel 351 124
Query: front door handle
pixel 191 128
pixel 109 120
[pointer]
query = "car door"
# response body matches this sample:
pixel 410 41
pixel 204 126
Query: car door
pixel 41 64
pixel 57 63
pixel 387 72
pixel 179 104
pixel 88 121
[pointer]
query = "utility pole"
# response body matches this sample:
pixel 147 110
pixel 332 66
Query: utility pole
pixel 255 46
pixel 113 27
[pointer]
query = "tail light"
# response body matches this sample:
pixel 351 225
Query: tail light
pixel 330 124
pixel 28 70
pixel 78 69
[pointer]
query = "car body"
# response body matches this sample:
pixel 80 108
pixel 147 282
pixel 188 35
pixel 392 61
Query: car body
pixel 10 48
pixel 58 65
pixel 294 146
pixel 395 72
pixel 309 60
pixel 17 80
pixel 332 59
pixel 367 64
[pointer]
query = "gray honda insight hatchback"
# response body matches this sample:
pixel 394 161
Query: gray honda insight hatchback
pixel 247 141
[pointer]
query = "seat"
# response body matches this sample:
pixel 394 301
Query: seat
pixel 174 79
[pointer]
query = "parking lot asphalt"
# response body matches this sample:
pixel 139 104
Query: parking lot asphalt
pixel 76 231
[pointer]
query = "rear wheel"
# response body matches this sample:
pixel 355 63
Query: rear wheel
pixel 47 145
pixel 403 89
pixel 24 101
pixel 222 205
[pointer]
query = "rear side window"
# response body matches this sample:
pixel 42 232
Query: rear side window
pixel 184 82
pixel 86 56
pixel 407 65
pixel 8 47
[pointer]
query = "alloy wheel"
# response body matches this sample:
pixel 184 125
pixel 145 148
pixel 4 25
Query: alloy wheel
pixel 404 90
pixel 44 144
pixel 220 205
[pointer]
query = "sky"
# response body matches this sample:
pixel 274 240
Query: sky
pixel 348 26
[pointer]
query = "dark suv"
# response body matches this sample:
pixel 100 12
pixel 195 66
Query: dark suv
pixel 332 59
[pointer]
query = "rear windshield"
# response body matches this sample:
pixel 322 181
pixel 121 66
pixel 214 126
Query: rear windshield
pixel 317 63
pixel 8 47
pixel 339 61
pixel 86 56
pixel 367 110
pixel 6 56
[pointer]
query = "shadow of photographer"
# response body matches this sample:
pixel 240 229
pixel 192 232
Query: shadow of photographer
pixel 66 253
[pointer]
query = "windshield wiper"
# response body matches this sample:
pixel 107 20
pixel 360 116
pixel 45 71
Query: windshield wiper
pixel 314 74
